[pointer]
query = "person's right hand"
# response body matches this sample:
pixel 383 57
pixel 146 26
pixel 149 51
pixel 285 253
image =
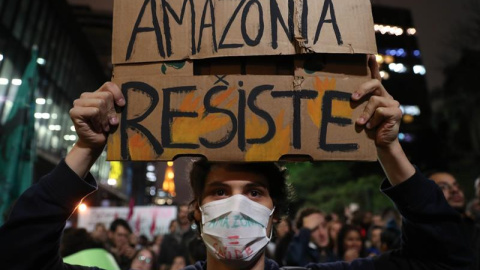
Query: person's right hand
pixel 93 115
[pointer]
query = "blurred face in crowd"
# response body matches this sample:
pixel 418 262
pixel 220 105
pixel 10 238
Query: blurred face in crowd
pixel 178 263
pixel 282 228
pixel 143 261
pixel 375 237
pixel 451 189
pixel 182 216
pixel 100 233
pixel 320 235
pixel 333 229
pixel 353 241
pixel 120 237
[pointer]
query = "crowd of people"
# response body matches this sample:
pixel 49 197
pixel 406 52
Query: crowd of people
pixel 313 236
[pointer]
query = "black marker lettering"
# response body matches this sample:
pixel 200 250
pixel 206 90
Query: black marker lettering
pixel 277 16
pixel 204 25
pixel 168 115
pixel 211 109
pixel 328 5
pixel 134 123
pixel 227 28
pixel 179 20
pixel 263 114
pixel 297 97
pixel 327 117
pixel 241 119
pixel 137 29
pixel 244 24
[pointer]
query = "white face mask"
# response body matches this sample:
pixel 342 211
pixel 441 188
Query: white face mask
pixel 235 229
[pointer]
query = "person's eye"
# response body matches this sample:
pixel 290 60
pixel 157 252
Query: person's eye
pixel 255 193
pixel 219 192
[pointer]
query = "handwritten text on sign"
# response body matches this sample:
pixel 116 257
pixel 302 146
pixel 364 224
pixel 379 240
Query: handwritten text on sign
pixel 245 117
pixel 159 30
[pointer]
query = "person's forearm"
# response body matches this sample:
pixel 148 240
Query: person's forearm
pixel 395 163
pixel 81 159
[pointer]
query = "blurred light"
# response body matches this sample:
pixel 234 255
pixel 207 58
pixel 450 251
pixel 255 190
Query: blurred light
pixel 388 29
pixel 1 57
pixel 401 53
pixel 398 32
pixel 72 128
pixel 385 75
pixel 410 109
pixel 112 182
pixel 55 127
pixel 397 67
pixel 37 115
pixel 169 201
pixel 54 116
pixel 16 82
pixel 411 31
pixel 41 61
pixel 160 201
pixel 169 163
pixel 3 81
pixel 40 101
pixel 69 137
pixel 416 53
pixel 419 69
pixel 49 101
pixel 407 118
pixel 401 136
pixel 82 207
pixel 45 116
pixel 151 177
pixel 150 167
pixel 389 59
pixel 170 175
pixel 153 191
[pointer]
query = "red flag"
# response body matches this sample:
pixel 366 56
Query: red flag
pixel 137 225
pixel 154 224
pixel 131 204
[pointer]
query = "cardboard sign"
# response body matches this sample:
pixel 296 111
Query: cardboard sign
pixel 166 30
pixel 229 80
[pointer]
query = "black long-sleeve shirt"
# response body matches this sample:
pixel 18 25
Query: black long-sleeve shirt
pixel 431 239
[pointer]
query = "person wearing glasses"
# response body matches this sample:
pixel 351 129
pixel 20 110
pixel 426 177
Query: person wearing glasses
pixel 144 259
pixel 454 195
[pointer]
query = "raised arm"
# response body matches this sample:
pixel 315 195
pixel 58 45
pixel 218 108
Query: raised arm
pixel 93 115
pixel 381 117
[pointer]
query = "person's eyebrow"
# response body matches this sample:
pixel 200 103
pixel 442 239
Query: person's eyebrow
pixel 256 184
pixel 215 184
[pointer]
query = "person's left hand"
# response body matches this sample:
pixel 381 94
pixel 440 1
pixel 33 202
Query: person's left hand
pixel 382 113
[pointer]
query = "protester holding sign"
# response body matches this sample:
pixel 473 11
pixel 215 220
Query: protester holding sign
pixel 248 195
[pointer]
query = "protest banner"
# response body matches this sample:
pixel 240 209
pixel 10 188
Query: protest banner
pixel 258 80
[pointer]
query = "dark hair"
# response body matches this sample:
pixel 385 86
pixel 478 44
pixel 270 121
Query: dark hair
pixel 341 237
pixel 305 212
pixel 74 240
pixel 120 222
pixel 391 237
pixel 278 188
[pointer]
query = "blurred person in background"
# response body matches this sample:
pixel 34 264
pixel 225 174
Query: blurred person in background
pixel 176 241
pixel 100 234
pixel 284 235
pixel 119 243
pixel 144 259
pixel 178 263
pixel 156 243
pixel 454 195
pixel 311 243
pixel 373 241
pixel 350 244
pixel 333 229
